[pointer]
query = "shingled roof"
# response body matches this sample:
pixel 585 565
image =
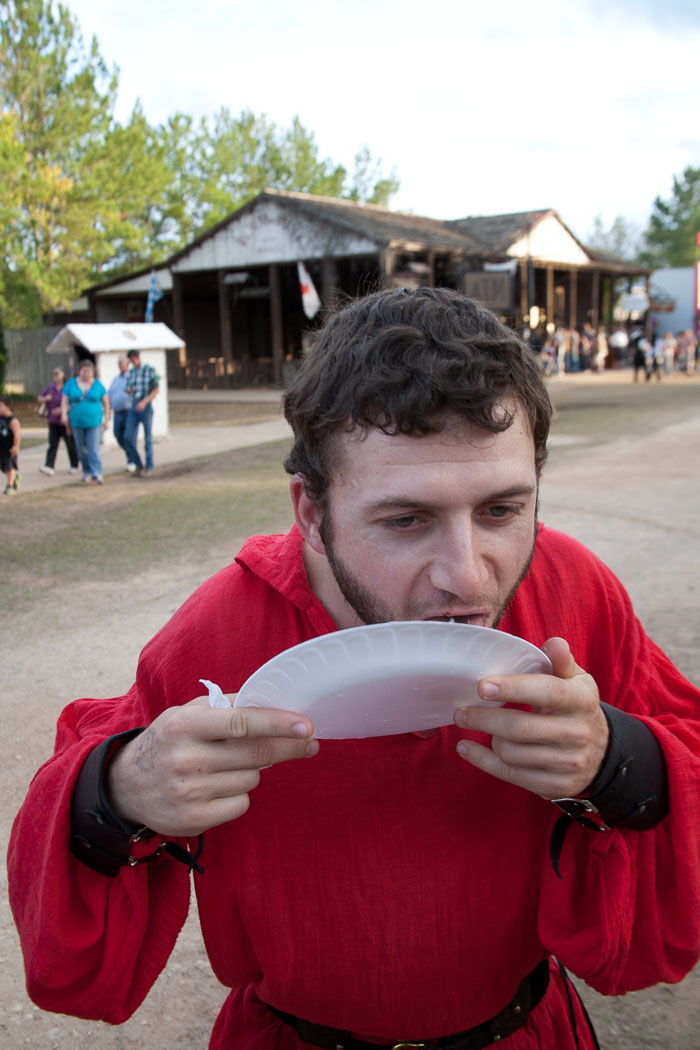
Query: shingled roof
pixel 484 235
pixel 609 258
pixel 496 233
pixel 379 224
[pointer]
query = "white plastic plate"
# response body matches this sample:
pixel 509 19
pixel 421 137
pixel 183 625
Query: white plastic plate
pixel 399 677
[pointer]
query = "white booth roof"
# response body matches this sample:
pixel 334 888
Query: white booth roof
pixel 124 337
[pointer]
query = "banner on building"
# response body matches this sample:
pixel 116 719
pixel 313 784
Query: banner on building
pixel 154 294
pixel 309 296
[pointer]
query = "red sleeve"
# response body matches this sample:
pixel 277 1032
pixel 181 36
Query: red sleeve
pixel 626 913
pixel 92 945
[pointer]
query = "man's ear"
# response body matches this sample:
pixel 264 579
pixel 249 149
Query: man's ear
pixel 307 514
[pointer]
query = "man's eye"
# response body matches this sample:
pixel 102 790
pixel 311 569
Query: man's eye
pixel 501 510
pixel 406 521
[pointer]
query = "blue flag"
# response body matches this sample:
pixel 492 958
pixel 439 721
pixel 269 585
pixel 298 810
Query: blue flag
pixel 154 294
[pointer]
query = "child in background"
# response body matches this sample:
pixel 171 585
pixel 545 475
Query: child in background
pixel 9 446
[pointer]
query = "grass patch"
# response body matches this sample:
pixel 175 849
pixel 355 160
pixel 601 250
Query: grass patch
pixel 223 413
pixel 181 413
pixel 132 525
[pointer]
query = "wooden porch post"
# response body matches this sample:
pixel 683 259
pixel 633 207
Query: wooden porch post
pixel 607 303
pixel 329 282
pixel 431 275
pixel 550 295
pixel 595 299
pixel 276 321
pixel 524 289
pixel 225 334
pixel 573 298
pixel 386 265
pixel 178 309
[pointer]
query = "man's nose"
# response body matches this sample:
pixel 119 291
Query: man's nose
pixel 459 565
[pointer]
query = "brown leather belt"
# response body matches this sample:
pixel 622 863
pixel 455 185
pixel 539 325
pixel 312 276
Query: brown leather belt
pixel 508 1020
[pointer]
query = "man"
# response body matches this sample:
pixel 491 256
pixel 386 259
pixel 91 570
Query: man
pixel 401 890
pixel 142 387
pixel 121 402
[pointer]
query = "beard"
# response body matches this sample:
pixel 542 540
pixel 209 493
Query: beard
pixel 371 609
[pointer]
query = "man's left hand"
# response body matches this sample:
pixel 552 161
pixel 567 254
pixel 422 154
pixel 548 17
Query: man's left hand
pixel 556 748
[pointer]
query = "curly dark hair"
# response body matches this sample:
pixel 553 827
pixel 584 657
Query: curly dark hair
pixel 402 361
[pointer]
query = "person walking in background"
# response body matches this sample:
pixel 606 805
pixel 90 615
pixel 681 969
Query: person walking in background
pixel 658 359
pixel 600 350
pixel 561 347
pixel 688 345
pixel 640 345
pixel 669 352
pixel 142 385
pixel 121 402
pixel 587 350
pixel 574 347
pixel 85 410
pixel 51 397
pixel 10 437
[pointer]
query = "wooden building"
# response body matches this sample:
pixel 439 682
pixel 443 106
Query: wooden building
pixel 233 294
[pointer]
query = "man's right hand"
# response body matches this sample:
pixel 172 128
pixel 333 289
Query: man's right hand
pixel 194 766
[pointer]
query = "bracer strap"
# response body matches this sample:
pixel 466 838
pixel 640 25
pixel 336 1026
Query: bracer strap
pixel 99 838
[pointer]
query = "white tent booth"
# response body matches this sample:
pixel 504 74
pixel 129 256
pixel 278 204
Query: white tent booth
pixel 106 343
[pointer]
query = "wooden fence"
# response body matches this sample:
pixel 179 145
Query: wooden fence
pixel 28 367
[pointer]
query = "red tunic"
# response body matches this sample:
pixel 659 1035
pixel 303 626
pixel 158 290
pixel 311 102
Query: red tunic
pixel 384 886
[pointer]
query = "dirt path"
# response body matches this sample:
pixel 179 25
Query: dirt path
pixel 636 504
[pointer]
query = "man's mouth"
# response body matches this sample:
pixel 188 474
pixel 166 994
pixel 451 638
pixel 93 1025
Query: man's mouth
pixel 475 619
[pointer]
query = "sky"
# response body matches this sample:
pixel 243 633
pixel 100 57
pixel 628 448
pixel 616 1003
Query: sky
pixel 586 106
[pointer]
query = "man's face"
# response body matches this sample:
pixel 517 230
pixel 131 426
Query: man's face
pixel 432 527
pixel 123 363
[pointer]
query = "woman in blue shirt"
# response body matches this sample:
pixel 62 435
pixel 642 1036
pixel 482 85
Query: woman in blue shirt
pixel 85 409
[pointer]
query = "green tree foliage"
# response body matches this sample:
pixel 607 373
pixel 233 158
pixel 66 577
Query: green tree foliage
pixel 59 98
pixel 12 177
pixel 622 239
pixel 182 215
pixel 220 164
pixel 134 227
pixel 83 198
pixel 674 224
pixel 368 184
pixel 239 157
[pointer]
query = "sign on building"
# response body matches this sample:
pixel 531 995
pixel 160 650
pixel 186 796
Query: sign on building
pixel 492 289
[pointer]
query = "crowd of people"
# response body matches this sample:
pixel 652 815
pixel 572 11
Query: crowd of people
pixel 79 410
pixel 563 350
pixel 669 353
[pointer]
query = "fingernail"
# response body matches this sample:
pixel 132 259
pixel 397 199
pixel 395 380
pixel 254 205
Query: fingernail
pixel 300 729
pixel 463 748
pixel 312 748
pixel 488 690
pixel 461 717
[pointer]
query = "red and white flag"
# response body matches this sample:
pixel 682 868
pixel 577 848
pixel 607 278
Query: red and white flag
pixel 309 295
